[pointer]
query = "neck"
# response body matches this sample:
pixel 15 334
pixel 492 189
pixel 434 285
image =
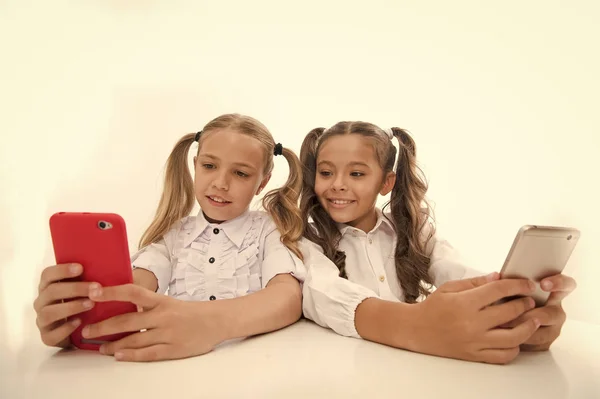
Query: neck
pixel 366 222
pixel 210 220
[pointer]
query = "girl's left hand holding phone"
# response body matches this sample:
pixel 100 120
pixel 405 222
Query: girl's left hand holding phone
pixel 551 316
pixel 174 328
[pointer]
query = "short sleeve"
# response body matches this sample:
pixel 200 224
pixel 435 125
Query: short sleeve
pixel 157 259
pixel 277 258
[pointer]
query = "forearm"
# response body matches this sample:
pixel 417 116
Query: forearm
pixel 145 278
pixel 276 306
pixel 389 323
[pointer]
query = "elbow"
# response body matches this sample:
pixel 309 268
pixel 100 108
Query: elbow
pixel 294 300
pixel 289 298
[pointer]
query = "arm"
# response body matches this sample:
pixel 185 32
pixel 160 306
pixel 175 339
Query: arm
pixel 272 308
pixel 145 278
pixel 389 323
pixel 152 267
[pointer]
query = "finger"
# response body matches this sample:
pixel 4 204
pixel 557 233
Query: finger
pixel 487 294
pixel 60 311
pixel 558 282
pixel 497 315
pixel 535 348
pixel 133 341
pixel 498 356
pixel 546 315
pixel 56 273
pixel 59 335
pixel 126 293
pixel 129 322
pixel 556 298
pixel 469 283
pixel 148 354
pixel 60 291
pixel 503 338
pixel 549 315
pixel 544 336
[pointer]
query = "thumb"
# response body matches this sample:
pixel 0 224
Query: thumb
pixel 469 283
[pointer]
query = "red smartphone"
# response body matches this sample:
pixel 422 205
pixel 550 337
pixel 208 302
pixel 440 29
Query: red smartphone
pixel 97 241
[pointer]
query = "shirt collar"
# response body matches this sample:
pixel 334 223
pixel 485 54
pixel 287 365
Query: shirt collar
pixel 235 229
pixel 383 222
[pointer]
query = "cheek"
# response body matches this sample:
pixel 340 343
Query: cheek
pixel 320 186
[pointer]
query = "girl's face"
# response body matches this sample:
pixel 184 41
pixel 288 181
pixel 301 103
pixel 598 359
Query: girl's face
pixel 349 179
pixel 229 172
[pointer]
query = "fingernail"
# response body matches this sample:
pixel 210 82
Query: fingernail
pixel 102 350
pixel 94 286
pixel 531 286
pixel 531 303
pixel 75 268
pixel 75 322
pixel 119 355
pixel 86 331
pixel 95 292
pixel 547 285
pixel 491 276
pixel 536 322
pixel 88 304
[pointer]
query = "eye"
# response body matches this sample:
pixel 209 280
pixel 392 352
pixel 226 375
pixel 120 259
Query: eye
pixel 357 174
pixel 208 166
pixel 241 174
pixel 325 173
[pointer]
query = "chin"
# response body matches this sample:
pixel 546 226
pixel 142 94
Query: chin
pixel 340 217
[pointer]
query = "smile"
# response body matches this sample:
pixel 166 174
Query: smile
pixel 217 200
pixel 339 203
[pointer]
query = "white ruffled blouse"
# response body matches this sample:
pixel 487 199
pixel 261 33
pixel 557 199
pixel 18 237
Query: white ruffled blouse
pixel 198 261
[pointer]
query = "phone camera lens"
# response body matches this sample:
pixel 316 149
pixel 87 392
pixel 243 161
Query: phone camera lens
pixel 569 237
pixel 102 225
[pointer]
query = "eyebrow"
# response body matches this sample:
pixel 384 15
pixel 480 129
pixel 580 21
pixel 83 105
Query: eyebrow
pixel 213 157
pixel 355 163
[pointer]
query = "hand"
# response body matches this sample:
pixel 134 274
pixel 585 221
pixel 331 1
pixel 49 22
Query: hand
pixel 456 320
pixel 551 315
pixel 52 312
pixel 174 329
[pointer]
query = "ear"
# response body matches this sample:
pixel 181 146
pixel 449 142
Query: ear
pixel 388 183
pixel 263 183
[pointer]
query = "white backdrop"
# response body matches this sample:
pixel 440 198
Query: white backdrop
pixel 501 99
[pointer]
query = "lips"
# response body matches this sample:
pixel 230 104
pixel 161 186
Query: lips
pixel 217 201
pixel 339 203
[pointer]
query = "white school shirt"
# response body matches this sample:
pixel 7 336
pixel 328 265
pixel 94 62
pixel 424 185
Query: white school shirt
pixel 331 301
pixel 198 261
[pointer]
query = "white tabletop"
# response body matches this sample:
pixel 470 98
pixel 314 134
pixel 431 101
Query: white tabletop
pixel 304 361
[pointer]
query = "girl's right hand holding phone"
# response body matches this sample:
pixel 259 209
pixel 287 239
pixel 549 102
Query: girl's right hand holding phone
pixel 462 320
pixel 459 320
pixel 59 298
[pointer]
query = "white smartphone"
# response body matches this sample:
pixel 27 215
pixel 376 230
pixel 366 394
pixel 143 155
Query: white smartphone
pixel 538 252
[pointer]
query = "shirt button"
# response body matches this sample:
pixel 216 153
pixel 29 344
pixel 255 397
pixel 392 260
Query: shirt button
pixel 382 278
pixel 216 231
pixel 212 260
pixel 212 297
pixel 370 241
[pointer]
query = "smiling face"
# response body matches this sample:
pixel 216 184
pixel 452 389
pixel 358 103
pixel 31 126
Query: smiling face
pixel 229 172
pixel 348 180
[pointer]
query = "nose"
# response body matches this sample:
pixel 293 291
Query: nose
pixel 221 181
pixel 339 183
